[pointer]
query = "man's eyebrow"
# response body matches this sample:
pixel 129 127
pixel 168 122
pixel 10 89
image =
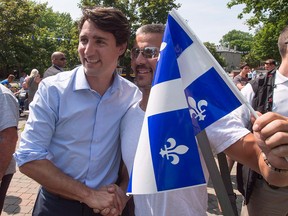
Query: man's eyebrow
pixel 99 38
pixel 95 37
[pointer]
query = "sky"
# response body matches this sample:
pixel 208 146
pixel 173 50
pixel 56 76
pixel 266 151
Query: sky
pixel 209 19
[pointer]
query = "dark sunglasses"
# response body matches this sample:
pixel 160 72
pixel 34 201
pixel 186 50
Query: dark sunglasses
pixel 63 59
pixel 147 52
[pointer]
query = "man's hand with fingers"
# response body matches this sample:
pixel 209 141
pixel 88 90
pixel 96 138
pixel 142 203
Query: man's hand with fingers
pixel 119 203
pixel 271 133
pixel 104 201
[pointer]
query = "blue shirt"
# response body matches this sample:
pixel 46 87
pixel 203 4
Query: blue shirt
pixel 6 83
pixel 75 128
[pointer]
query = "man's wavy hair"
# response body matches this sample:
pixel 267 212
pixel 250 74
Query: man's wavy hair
pixel 108 19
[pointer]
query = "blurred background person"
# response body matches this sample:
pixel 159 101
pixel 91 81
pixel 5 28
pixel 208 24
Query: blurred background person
pixel 58 60
pixel 22 96
pixel 253 73
pixel 241 79
pixel 8 138
pixel 22 78
pixel 269 64
pixel 7 82
pixel 32 84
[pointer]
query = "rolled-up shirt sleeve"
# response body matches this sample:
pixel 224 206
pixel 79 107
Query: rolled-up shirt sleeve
pixel 39 127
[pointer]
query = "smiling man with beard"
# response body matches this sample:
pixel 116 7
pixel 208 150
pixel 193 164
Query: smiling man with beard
pixel 227 134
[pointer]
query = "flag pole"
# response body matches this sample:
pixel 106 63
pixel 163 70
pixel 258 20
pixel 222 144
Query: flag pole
pixel 226 177
pixel 215 176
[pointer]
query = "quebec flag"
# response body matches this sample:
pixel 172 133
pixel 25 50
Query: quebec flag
pixel 189 92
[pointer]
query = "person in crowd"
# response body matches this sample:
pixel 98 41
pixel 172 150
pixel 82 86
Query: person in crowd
pixel 7 82
pixel 77 167
pixel 22 96
pixel 241 79
pixel 8 139
pixel 270 64
pixel 227 134
pixel 253 74
pixel 32 83
pixel 22 78
pixel 58 60
pixel 265 94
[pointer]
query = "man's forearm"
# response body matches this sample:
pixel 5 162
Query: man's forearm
pixel 123 184
pixel 8 140
pixel 245 151
pixel 55 181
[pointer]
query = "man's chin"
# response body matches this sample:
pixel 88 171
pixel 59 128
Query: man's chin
pixel 90 72
pixel 143 83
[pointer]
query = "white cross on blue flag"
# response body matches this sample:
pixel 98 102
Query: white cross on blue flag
pixel 189 93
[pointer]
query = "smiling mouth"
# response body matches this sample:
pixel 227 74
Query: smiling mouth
pixel 93 61
pixel 143 71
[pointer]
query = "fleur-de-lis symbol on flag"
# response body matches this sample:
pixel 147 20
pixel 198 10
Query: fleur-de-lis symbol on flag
pixel 196 110
pixel 173 152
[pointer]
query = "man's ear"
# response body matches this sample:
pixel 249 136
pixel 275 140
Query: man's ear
pixel 122 48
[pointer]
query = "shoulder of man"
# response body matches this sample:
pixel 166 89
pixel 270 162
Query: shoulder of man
pixel 262 81
pixel 8 101
pixel 50 71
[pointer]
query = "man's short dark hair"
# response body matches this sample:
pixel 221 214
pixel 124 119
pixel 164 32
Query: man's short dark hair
pixel 108 19
pixel 244 65
pixel 270 61
pixel 151 28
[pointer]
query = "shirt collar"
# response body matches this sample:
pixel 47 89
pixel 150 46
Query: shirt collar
pixel 279 79
pixel 82 83
pixel 57 67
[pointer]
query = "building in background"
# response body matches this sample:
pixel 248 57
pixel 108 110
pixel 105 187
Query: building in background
pixel 231 56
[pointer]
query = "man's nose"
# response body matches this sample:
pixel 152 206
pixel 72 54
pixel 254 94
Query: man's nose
pixel 140 58
pixel 89 48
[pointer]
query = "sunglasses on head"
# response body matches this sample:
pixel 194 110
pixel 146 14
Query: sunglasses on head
pixel 147 52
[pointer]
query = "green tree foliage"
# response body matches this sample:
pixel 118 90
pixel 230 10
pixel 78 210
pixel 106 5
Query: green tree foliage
pixel 17 23
pixel 30 32
pixel 212 49
pixel 268 18
pixel 56 32
pixel 239 39
pixel 265 44
pixel 139 12
pixel 269 11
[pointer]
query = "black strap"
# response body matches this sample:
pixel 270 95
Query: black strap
pixel 263 88
pixel 58 68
